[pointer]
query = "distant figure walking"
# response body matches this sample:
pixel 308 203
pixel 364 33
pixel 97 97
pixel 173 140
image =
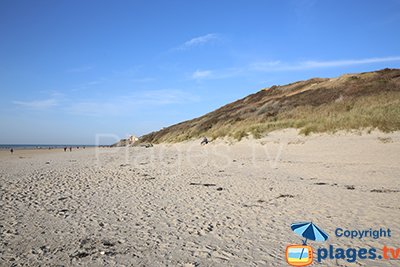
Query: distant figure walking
pixel 70 149
pixel 12 151
pixel 204 142
pixel 65 149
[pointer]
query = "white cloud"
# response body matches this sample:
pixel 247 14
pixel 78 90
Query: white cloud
pixel 201 74
pixel 37 104
pixel 217 74
pixel 279 66
pixel 310 64
pixel 200 40
pixel 349 62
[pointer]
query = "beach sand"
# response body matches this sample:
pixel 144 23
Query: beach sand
pixel 223 204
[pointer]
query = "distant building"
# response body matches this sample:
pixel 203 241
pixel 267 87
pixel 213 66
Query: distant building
pixel 132 139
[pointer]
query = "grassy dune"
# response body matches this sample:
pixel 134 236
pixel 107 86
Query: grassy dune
pixel 373 112
pixel 357 101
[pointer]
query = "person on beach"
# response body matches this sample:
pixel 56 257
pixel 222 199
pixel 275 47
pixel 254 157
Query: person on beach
pixel 12 151
pixel 65 149
pixel 70 149
pixel 204 142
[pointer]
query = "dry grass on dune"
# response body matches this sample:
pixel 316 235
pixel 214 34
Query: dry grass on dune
pixel 374 112
pixel 358 101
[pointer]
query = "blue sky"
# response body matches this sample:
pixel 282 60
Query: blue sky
pixel 72 69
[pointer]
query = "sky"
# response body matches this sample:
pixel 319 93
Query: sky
pixel 81 72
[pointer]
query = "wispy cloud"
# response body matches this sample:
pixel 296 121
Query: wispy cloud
pixel 81 69
pixel 216 74
pixel 199 41
pixel 280 66
pixel 201 74
pixel 310 64
pixel 37 104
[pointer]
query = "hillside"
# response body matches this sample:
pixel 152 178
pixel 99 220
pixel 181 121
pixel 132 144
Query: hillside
pixel 353 101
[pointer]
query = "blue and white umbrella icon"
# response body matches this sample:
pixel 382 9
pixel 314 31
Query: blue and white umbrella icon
pixel 309 231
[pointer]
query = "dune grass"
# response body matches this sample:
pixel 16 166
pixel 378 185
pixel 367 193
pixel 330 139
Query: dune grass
pixel 372 112
pixel 380 111
pixel 361 102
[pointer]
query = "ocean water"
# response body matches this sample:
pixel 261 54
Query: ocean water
pixel 30 146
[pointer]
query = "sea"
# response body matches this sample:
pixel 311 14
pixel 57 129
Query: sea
pixel 41 146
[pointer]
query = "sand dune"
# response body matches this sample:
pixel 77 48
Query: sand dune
pixel 223 204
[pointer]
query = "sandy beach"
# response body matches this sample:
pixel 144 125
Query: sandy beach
pixel 222 204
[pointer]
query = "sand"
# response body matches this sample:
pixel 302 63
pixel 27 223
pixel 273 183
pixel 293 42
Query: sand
pixel 223 204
